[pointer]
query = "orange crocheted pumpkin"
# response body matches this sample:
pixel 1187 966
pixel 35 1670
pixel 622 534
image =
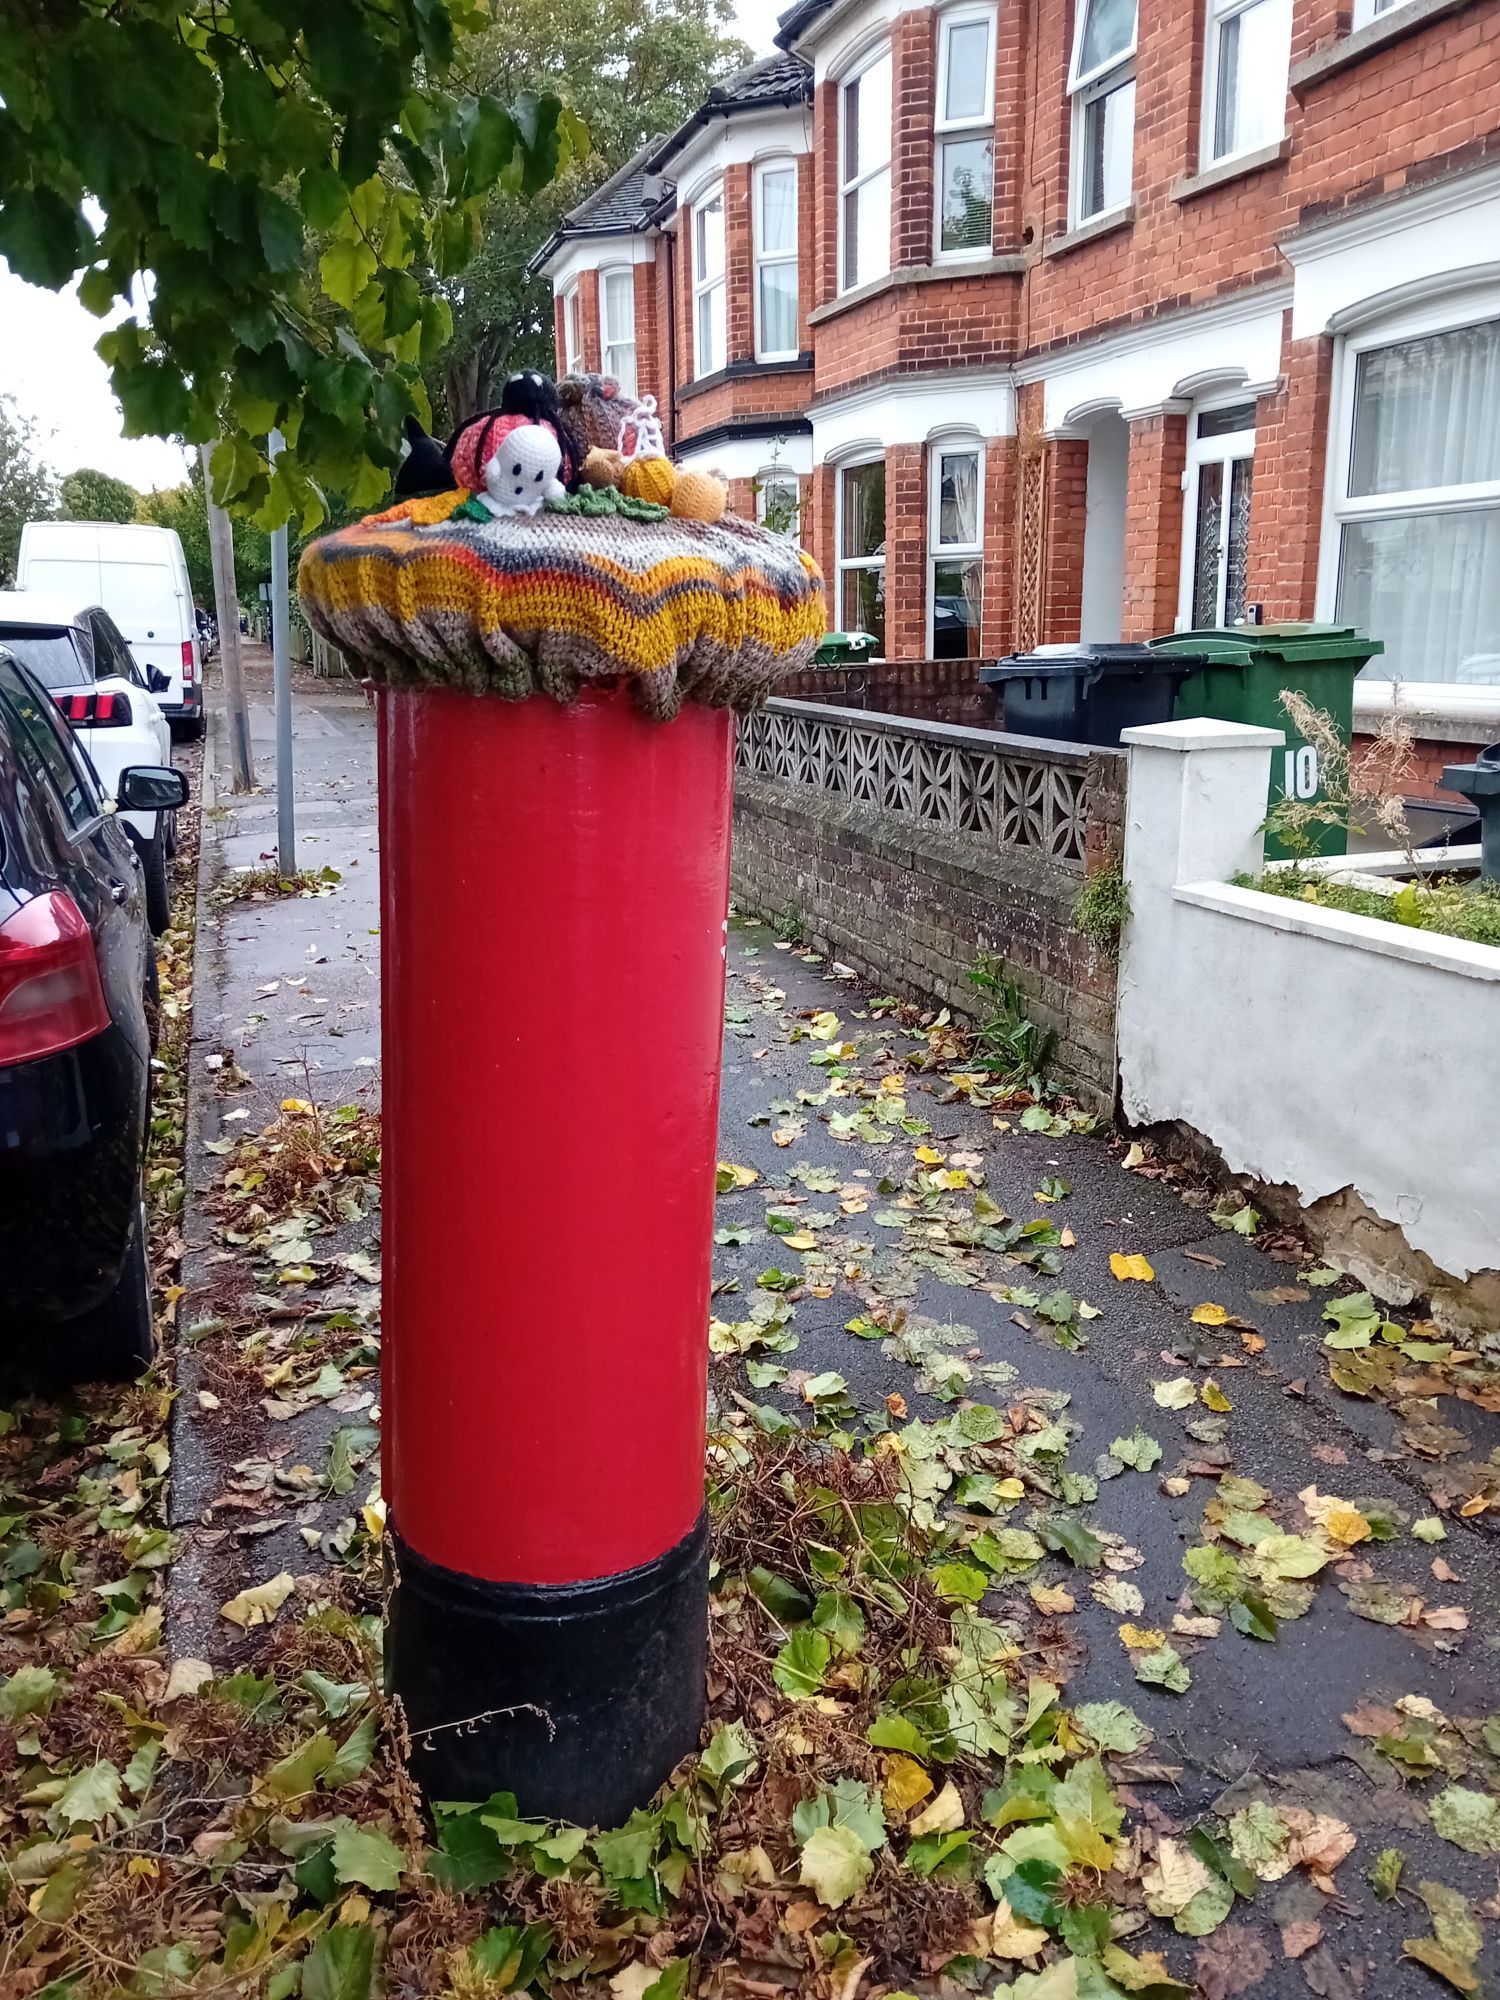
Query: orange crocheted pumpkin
pixel 699 496
pixel 649 479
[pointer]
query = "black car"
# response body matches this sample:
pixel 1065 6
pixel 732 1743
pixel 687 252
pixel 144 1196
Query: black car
pixel 77 1002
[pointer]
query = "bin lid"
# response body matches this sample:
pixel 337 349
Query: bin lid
pixel 1095 657
pixel 1238 645
pixel 842 645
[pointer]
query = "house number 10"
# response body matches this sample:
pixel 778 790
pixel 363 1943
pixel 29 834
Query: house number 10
pixel 1301 773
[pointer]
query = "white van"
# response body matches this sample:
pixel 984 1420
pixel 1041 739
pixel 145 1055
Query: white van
pixel 139 574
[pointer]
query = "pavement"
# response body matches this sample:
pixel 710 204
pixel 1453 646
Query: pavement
pixel 286 998
pixel 285 1006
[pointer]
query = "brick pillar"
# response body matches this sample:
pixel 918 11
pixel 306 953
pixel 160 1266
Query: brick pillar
pixel 588 319
pixel 1065 518
pixel 1012 109
pixel 648 360
pixel 742 498
pixel 817 531
pixel 807 247
pixel 913 64
pixel 739 266
pixel 997 614
pixel 559 335
pixel 906 552
pixel 826 176
pixel 1286 489
pixel 1153 524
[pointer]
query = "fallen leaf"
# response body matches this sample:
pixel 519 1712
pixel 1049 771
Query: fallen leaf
pixel 1134 1155
pixel 1209 1314
pixel 1236 1962
pixel 1177 1394
pixel 259 1604
pixel 1300 1937
pixel 1052 1599
pixel 906 1785
pixel 1132 1266
pixel 835 1865
pixel 1173 1878
pixel 1446 1617
pixel 1214 1397
pixel 1141 1638
pixel 944 1815
pixel 186 1677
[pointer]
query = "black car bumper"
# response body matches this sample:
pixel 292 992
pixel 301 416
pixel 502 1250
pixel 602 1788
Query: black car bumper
pixel 72 1136
pixel 188 709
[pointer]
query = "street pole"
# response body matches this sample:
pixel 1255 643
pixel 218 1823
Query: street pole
pixel 281 657
pixel 227 610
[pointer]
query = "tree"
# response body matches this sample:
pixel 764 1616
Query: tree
pixel 87 495
pixel 182 508
pixel 27 489
pixel 273 190
pixel 631 69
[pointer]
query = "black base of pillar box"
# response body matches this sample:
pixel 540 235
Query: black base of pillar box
pixel 604 1682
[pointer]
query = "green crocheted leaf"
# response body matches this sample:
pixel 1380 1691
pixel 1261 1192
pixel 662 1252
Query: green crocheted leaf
pixel 600 500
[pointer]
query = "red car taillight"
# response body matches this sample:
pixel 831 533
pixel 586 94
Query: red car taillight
pixel 50 995
pixel 189 665
pixel 109 711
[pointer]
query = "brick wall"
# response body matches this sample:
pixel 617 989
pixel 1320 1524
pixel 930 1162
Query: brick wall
pixel 928 690
pixel 912 907
pixel 1065 516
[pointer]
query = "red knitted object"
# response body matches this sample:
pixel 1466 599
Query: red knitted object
pixel 477 443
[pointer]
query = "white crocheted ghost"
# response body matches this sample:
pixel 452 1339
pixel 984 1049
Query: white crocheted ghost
pixel 523 472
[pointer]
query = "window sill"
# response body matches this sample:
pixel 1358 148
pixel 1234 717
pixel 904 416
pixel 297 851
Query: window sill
pixel 738 371
pixel 1233 169
pixel 1406 19
pixel 1091 231
pixel 1009 266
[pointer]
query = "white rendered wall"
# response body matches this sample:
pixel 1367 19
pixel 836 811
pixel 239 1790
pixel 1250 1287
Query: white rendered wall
pixel 1312 1048
pixel 1104 529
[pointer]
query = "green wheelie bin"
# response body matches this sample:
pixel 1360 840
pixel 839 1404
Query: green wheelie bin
pixel 1245 669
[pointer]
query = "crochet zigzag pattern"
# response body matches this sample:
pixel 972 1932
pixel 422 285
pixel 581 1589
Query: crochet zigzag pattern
pixel 425 595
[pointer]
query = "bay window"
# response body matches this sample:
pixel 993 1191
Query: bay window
pixel 1416 507
pixel 865 173
pixel 955 551
pixel 1101 83
pixel 709 322
pixel 1244 99
pixel 965 127
pixel 776 261
pixel 1216 541
pixel 617 326
pixel 861 550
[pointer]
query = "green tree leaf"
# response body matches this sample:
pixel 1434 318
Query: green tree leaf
pixel 341 1965
pixel 368 1857
pixel 802 1663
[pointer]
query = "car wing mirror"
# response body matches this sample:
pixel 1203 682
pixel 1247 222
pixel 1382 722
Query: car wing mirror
pixel 150 788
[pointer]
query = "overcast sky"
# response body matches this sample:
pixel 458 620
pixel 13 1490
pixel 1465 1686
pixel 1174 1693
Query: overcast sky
pixel 48 364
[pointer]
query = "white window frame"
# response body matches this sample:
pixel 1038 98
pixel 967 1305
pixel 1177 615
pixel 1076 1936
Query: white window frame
pixel 1223 450
pixel 1084 88
pixel 949 129
pixel 572 319
pixel 608 347
pixel 1366 11
pixel 1442 314
pixel 781 164
pixel 703 286
pixel 779 475
pixel 841 562
pixel 886 166
pixel 1220 14
pixel 942 552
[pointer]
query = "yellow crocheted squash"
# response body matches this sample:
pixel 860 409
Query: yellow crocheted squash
pixel 649 479
pixel 699 496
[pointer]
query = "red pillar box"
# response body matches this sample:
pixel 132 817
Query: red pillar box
pixel 554 872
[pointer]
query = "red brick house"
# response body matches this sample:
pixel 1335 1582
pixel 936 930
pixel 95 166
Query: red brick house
pixel 1073 323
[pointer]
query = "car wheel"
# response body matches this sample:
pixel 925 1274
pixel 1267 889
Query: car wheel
pixel 187 728
pixel 116 1341
pixel 169 832
pixel 158 900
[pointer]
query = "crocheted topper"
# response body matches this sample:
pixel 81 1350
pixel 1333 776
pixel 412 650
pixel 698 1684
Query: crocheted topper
pixel 593 588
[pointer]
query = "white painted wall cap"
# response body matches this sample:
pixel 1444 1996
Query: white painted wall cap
pixel 1202 733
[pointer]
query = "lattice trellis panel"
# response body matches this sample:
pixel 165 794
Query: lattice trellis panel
pixel 1031 551
pixel 999 795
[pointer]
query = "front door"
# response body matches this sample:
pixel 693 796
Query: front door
pixel 1216 538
